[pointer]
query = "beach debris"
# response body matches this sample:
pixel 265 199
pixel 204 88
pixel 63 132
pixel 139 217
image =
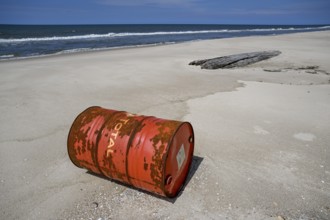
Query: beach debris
pixel 133 149
pixel 95 205
pixel 236 60
pixel 307 68
pixel 273 70
pixel 313 69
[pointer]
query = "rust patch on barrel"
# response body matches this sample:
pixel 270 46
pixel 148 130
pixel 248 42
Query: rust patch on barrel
pixel 159 143
pixel 145 165
pixel 127 128
pixel 121 125
pixel 79 135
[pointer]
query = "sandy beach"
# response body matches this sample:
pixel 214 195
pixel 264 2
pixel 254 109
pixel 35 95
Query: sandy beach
pixel 262 146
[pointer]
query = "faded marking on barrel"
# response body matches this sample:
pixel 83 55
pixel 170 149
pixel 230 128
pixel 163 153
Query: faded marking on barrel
pixel 113 136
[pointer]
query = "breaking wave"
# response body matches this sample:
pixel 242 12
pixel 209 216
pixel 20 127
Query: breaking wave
pixel 127 34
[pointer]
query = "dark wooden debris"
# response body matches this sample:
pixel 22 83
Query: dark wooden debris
pixel 237 60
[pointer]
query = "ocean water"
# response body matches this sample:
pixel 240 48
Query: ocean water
pixel 21 41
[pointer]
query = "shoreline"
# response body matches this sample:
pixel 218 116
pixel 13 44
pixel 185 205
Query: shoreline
pixel 262 135
pixel 93 50
pixel 83 51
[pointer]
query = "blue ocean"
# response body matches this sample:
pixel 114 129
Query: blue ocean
pixel 21 41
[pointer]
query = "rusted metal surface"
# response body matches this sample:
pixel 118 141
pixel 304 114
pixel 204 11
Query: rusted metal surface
pixel 146 152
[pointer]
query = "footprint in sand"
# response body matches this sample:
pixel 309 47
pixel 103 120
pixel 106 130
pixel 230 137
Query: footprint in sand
pixel 259 130
pixel 304 136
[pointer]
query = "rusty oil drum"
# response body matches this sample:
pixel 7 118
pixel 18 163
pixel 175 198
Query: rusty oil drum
pixel 146 152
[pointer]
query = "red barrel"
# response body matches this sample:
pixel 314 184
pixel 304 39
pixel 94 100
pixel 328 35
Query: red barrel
pixel 143 151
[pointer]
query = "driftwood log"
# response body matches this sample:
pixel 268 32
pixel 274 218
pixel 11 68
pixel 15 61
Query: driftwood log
pixel 237 60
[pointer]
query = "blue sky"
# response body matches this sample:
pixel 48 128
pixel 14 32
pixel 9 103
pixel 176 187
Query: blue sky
pixel 165 12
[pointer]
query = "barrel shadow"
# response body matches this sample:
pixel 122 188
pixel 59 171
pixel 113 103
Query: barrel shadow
pixel 196 162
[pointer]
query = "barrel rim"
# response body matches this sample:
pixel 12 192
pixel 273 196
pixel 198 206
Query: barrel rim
pixel 69 134
pixel 166 156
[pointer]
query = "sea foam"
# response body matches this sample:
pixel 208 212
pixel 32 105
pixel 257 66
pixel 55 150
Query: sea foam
pixel 132 34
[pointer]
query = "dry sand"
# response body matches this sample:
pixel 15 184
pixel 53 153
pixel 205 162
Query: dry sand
pixel 262 137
